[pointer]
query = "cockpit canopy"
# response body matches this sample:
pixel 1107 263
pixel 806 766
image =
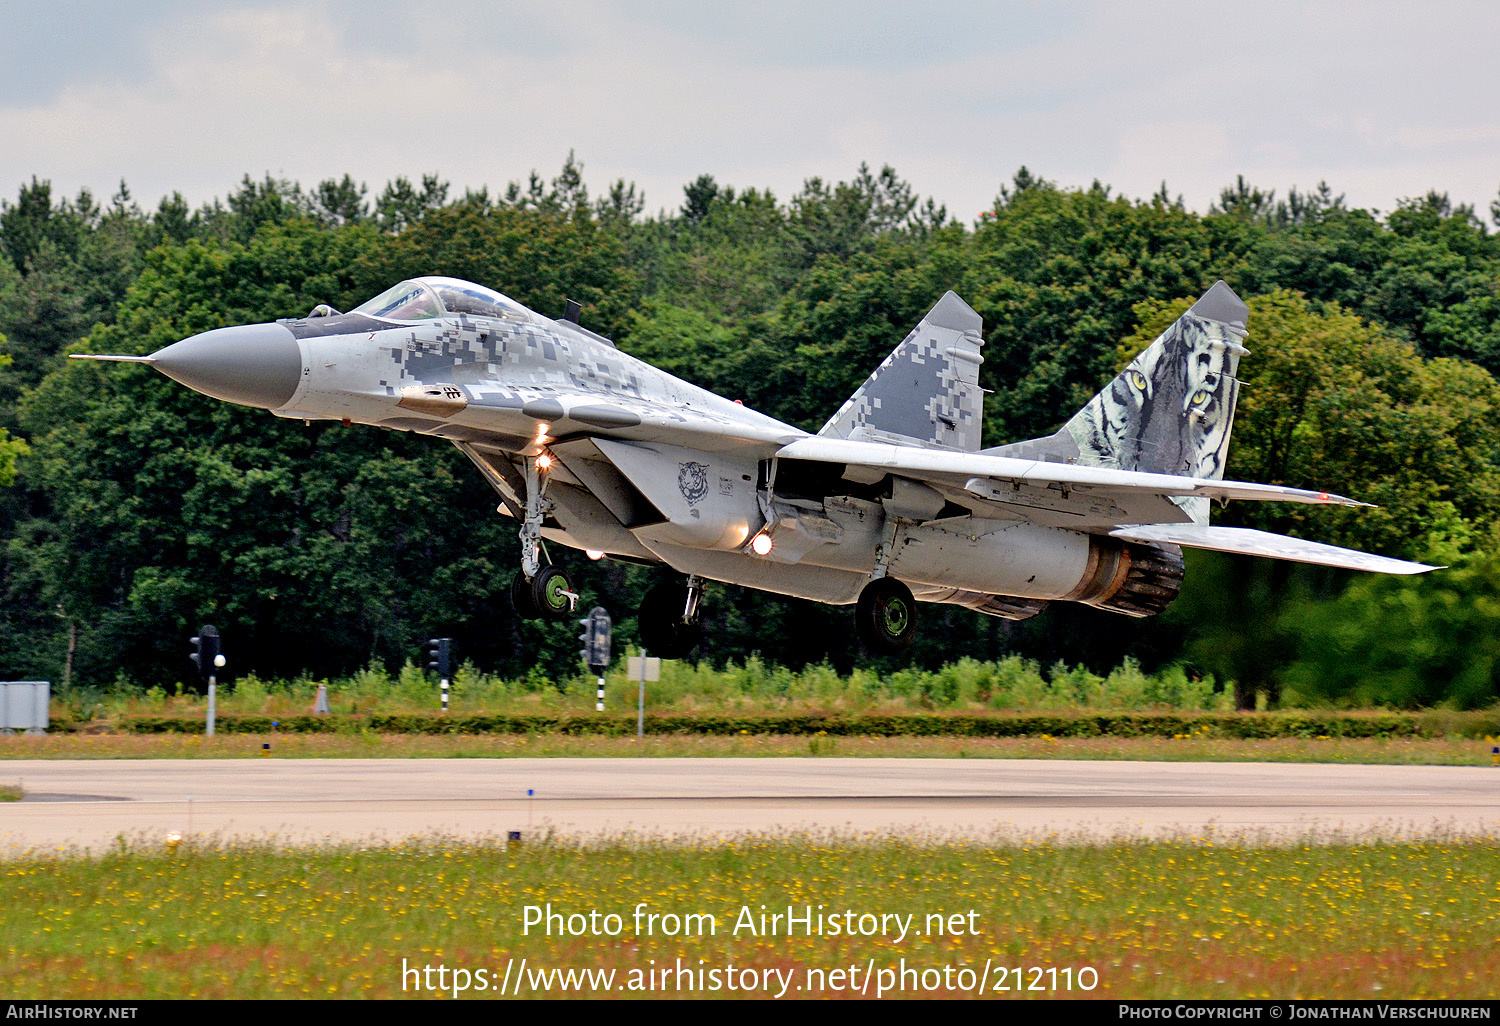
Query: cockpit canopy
pixel 420 299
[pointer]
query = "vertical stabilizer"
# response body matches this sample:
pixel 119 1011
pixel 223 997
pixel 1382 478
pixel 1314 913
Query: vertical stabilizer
pixel 927 391
pixel 1171 410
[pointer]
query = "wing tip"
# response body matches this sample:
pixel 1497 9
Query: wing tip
pixel 1330 499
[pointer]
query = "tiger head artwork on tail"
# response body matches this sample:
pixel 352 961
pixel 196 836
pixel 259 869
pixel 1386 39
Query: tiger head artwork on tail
pixel 1171 410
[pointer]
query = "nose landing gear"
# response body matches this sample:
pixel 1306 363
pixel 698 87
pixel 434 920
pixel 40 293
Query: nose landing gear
pixel 539 591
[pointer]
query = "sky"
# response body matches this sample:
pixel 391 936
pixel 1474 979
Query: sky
pixel 1383 100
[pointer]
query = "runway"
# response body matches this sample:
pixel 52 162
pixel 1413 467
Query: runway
pixel 87 804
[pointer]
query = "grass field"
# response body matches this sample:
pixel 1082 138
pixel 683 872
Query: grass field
pixel 1127 920
pixel 1438 751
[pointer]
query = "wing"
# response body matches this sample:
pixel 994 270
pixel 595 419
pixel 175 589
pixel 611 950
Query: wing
pixel 511 416
pixel 1130 505
pixel 1245 542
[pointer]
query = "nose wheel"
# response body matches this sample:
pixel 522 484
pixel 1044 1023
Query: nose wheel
pixel 886 616
pixel 549 595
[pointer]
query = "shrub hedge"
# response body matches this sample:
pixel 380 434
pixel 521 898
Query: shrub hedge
pixel 1233 725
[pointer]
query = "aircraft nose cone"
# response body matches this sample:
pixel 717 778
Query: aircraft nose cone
pixel 251 364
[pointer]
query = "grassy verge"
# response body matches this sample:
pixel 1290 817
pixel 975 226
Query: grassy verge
pixel 1443 751
pixel 754 687
pixel 1192 919
pixel 1005 697
pixel 11 792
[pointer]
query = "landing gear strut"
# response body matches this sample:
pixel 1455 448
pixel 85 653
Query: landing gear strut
pixel 539 591
pixel 669 619
pixel 886 615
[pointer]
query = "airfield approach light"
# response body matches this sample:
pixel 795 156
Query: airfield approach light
pixel 205 655
pixel 439 656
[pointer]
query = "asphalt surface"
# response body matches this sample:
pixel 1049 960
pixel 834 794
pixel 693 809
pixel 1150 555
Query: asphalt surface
pixel 89 803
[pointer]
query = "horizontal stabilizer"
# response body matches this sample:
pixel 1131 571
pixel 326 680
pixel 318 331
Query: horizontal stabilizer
pixel 1245 542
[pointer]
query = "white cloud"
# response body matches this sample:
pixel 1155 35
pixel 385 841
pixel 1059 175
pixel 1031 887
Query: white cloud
pixel 1378 102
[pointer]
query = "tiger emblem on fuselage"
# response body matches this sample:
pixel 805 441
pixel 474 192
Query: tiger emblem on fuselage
pixel 692 481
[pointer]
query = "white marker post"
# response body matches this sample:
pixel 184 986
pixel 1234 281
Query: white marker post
pixel 643 669
pixel 213 685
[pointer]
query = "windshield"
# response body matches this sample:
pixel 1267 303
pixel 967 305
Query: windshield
pixel 409 301
pixel 461 297
pixel 422 298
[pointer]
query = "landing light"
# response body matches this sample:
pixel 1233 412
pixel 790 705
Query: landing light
pixel 594 554
pixel 760 544
pixel 544 460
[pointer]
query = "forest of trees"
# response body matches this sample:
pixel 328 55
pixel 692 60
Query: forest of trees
pixel 132 509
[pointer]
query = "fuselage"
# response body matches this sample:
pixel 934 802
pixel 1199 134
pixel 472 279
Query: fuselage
pixel 641 464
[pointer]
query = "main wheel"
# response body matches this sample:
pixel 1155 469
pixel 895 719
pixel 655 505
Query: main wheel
pixel 522 599
pixel 886 616
pixel 663 632
pixel 550 590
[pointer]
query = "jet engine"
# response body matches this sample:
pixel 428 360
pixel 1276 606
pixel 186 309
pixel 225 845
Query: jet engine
pixel 1129 578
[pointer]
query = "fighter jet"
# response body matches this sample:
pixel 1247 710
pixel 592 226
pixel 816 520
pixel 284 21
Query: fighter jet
pixel 893 502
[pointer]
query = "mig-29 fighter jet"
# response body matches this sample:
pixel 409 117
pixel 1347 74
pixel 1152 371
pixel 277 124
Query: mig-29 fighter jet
pixel 892 503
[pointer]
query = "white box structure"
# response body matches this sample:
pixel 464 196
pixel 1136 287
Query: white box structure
pixel 24 706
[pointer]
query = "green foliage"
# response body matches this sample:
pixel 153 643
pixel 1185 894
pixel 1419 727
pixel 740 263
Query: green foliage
pixel 1439 638
pixel 824 727
pixel 11 449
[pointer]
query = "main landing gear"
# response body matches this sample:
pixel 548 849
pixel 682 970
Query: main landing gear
pixel 886 615
pixel 670 622
pixel 539 591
